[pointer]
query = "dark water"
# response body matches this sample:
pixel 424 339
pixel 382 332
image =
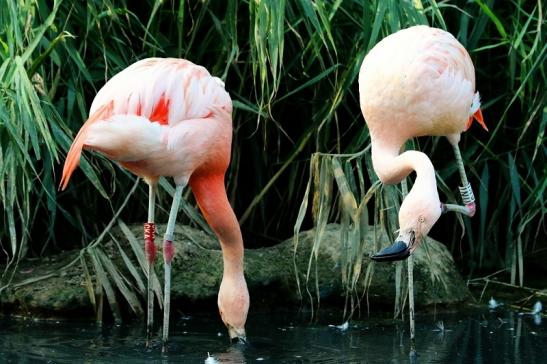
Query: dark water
pixel 476 337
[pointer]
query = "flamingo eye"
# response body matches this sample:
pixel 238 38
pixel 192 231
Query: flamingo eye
pixel 421 219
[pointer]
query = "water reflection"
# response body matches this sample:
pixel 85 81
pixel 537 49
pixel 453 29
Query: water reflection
pixel 479 337
pixel 233 355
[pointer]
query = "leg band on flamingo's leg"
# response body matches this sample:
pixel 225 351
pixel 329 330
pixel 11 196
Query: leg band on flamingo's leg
pixel 468 198
pixel 168 251
pixel 150 241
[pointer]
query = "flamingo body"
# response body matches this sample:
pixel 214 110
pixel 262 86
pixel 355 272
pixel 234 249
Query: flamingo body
pixel 159 117
pixel 418 81
pixel 169 117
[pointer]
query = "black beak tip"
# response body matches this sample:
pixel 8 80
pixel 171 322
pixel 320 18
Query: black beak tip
pixel 398 251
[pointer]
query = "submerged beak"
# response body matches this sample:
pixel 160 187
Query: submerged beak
pixel 400 250
pixel 237 336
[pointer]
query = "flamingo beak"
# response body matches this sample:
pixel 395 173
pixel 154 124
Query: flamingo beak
pixel 237 336
pixel 478 116
pixel 400 250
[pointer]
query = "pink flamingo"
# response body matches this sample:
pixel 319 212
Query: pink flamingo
pixel 170 117
pixel 418 81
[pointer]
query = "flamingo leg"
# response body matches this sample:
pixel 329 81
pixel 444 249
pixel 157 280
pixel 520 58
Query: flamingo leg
pixel 410 273
pixel 465 190
pixel 150 250
pixel 168 252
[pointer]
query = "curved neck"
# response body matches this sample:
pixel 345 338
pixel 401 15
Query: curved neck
pixel 392 168
pixel 421 208
pixel 211 197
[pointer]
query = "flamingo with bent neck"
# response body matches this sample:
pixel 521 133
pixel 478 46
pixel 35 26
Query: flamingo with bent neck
pixel 418 81
pixel 170 117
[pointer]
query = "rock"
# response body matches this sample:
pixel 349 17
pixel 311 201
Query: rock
pixel 270 272
pixel 436 279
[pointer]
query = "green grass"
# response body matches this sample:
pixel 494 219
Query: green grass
pixel 291 68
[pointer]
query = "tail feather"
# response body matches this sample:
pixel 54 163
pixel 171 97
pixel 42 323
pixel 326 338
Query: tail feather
pixel 73 157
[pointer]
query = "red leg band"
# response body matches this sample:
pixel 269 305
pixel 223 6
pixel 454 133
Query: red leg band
pixel 149 241
pixel 168 251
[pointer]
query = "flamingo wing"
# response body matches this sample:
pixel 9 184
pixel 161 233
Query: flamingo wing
pixel 153 118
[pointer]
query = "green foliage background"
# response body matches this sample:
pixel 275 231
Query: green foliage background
pixel 291 67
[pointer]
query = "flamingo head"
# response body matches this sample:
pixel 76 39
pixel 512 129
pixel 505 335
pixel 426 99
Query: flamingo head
pixel 419 211
pixel 233 305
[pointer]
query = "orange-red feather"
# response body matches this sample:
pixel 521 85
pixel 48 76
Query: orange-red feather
pixel 161 111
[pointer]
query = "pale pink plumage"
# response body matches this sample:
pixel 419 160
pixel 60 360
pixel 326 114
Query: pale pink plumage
pixel 170 117
pixel 164 117
pixel 418 81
